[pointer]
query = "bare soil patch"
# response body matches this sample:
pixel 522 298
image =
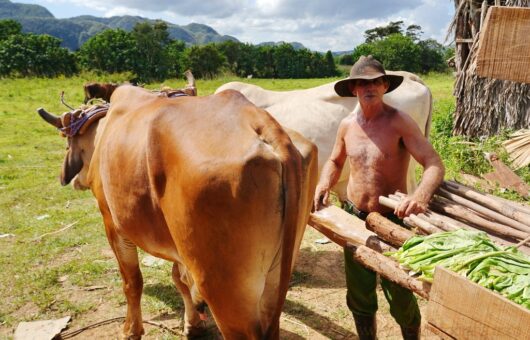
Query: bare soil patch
pixel 315 307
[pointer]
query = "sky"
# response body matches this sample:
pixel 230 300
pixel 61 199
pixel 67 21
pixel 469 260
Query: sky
pixel 320 25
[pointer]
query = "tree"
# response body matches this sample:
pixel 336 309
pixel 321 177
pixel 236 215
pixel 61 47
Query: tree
pixel 398 52
pixel 381 32
pixel 414 32
pixel 35 55
pixel 432 56
pixel 110 51
pixel 151 61
pixel 8 28
pixel 362 49
pixel 331 69
pixel 204 61
pixel 175 52
pixel 285 60
pixel 265 62
pixel 346 59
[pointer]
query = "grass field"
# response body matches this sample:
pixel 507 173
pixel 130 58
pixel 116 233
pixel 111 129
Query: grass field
pixel 48 275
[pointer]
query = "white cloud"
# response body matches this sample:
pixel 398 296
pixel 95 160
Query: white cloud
pixel 320 25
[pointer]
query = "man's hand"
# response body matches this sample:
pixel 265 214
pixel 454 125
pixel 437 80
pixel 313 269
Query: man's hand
pixel 408 206
pixel 321 197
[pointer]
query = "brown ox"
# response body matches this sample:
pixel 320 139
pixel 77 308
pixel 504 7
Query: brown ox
pixel 104 90
pixel 99 90
pixel 214 185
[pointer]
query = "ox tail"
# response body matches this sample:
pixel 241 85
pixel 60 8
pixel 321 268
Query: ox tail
pixel 429 117
pixel 292 176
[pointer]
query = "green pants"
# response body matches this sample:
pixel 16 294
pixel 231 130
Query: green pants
pixel 361 295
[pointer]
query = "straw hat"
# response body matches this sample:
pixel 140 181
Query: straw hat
pixel 366 68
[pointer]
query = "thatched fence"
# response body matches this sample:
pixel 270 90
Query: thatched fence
pixel 484 106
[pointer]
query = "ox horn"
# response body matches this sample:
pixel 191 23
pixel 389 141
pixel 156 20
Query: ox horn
pixel 190 89
pixel 50 118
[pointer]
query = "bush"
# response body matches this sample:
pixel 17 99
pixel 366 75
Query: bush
pixel 35 55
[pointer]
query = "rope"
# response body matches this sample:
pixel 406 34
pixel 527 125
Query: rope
pixel 71 334
pixel 76 124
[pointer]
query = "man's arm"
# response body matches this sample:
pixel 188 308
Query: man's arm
pixel 433 170
pixel 332 169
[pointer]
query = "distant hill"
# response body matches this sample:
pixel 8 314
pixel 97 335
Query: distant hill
pixel 75 31
pixel 9 10
pixel 296 45
pixel 340 53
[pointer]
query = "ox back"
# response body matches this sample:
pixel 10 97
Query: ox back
pixel 317 112
pixel 216 186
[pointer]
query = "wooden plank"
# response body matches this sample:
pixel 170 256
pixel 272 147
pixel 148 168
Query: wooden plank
pixel 343 228
pixel 505 176
pixel 504 45
pixel 436 331
pixel 465 310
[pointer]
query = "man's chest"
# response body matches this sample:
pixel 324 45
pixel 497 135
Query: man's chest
pixel 374 146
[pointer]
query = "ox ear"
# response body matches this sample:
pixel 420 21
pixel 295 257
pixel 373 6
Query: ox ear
pixel 73 163
pixel 50 118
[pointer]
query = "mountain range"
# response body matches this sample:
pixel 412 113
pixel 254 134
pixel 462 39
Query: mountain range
pixel 76 30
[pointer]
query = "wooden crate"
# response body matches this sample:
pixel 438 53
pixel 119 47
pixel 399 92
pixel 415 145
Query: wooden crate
pixel 504 45
pixel 461 309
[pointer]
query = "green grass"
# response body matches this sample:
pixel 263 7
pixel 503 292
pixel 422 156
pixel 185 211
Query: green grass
pixel 39 275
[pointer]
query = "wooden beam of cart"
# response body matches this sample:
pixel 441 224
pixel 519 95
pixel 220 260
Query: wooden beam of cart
pixel 349 231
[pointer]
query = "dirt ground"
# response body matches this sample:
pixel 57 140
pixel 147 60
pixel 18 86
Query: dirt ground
pixel 315 307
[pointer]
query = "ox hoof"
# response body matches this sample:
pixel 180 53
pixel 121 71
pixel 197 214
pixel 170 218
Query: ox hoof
pixel 132 337
pixel 196 332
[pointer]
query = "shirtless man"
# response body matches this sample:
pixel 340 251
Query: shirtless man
pixel 378 141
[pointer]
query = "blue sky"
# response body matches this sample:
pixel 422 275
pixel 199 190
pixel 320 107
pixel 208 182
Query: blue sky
pixel 335 25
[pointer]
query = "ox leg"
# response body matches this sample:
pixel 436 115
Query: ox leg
pixel 193 326
pixel 127 256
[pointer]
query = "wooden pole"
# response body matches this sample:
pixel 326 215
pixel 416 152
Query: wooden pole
pixel 484 211
pixel 433 218
pixel 492 202
pixel 421 224
pixel 389 269
pixel 443 205
pixel 445 223
pixel 387 230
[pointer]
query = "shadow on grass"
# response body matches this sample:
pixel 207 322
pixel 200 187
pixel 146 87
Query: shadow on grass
pixel 317 322
pixel 167 294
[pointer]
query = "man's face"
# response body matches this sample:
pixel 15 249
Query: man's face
pixel 369 89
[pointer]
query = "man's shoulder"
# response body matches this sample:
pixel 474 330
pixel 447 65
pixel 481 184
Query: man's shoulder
pixel 398 115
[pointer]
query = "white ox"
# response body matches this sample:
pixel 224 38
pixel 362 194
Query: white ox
pixel 317 112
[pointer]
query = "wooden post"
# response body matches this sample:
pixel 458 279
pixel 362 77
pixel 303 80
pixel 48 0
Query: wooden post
pixel 493 203
pixel 455 210
pixel 484 211
pixel 483 11
pixel 387 230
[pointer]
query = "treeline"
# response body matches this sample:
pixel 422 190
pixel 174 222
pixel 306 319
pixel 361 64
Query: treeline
pixel 151 55
pixel 401 49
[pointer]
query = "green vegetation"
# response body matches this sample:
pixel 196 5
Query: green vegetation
pixel 471 254
pixel 150 54
pixel 402 50
pixel 47 277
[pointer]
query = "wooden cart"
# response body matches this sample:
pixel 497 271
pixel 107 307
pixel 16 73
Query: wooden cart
pixel 457 307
